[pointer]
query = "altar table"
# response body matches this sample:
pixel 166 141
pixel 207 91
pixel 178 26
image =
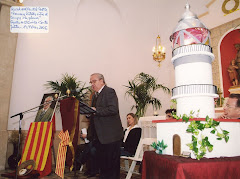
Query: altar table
pixel 156 166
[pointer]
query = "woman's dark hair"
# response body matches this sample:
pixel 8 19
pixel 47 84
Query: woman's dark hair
pixel 170 111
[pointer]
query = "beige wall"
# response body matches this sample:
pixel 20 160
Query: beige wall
pixel 7 50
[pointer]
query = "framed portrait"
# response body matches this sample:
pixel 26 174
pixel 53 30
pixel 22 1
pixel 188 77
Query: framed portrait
pixel 47 107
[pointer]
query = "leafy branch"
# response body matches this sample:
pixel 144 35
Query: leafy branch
pixel 202 145
pixel 185 117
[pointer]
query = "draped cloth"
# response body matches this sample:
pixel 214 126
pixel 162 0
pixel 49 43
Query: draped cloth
pixel 37 147
pixel 69 109
pixel 176 167
pixel 61 156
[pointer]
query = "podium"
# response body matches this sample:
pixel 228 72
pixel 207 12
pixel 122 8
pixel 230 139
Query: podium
pixel 70 109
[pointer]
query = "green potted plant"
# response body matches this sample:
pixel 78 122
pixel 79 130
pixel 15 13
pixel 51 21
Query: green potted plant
pixel 159 146
pixel 70 82
pixel 141 89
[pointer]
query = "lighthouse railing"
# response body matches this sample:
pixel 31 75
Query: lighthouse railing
pixel 194 89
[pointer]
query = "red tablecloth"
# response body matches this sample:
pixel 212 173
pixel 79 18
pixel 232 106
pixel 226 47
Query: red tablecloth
pixel 165 166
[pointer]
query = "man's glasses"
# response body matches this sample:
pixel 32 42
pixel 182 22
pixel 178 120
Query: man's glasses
pixel 228 106
pixel 93 81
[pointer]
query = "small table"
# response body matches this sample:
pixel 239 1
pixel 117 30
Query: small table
pixel 156 166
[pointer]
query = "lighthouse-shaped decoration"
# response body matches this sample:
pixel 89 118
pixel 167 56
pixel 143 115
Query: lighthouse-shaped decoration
pixel 192 59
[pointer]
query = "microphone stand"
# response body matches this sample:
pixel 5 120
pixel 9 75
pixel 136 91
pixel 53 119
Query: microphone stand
pixel 20 128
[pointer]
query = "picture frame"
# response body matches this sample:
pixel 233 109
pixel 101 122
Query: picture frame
pixel 47 107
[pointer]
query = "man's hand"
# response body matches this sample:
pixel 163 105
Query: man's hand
pixel 223 117
pixel 84 136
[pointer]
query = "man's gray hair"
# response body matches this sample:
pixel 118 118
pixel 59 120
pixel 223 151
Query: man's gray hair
pixel 48 97
pixel 100 76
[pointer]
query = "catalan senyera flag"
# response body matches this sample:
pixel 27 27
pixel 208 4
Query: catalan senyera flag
pixel 37 144
pixel 61 156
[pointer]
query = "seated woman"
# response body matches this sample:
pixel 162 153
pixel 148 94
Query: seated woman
pixel 132 136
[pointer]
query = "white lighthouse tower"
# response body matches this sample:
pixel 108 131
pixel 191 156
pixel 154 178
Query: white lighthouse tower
pixel 192 59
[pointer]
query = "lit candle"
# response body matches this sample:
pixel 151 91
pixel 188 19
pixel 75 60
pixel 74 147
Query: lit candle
pixel 163 50
pixel 153 49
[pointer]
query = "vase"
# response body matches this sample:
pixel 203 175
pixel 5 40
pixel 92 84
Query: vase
pixel 163 151
pixel 13 159
pixel 160 151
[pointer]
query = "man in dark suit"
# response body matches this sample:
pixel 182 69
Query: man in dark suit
pixel 108 131
pixel 45 114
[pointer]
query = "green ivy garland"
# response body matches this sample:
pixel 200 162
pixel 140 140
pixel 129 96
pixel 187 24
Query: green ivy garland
pixel 195 127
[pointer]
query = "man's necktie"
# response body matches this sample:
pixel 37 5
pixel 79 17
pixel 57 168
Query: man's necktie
pixel 97 94
pixel 95 99
pixel 41 115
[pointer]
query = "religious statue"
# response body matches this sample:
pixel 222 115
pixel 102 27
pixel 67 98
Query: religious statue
pixel 237 59
pixel 233 74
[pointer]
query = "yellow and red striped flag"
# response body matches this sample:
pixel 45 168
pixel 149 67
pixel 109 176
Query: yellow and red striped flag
pixel 37 144
pixel 61 156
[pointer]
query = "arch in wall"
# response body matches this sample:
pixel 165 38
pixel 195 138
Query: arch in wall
pixel 227 52
pixel 176 145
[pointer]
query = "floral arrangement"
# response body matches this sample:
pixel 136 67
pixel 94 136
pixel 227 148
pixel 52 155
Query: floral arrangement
pixel 159 146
